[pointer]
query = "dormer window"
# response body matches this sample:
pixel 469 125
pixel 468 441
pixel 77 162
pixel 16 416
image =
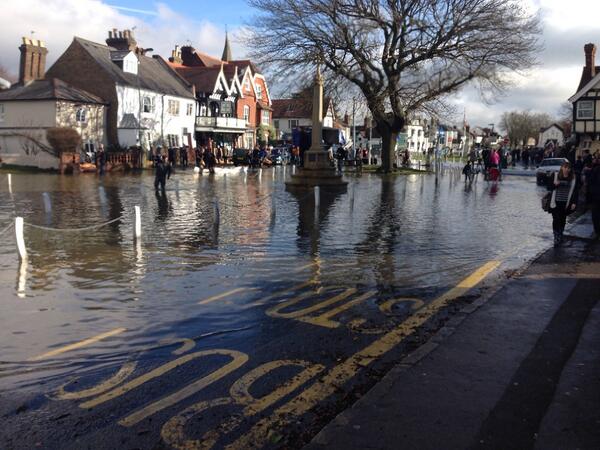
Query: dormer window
pixel 81 115
pixel 258 91
pixel 126 60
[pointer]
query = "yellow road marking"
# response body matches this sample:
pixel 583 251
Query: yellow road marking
pixel 238 360
pixel 323 320
pixel 342 373
pixel 173 431
pixel 214 298
pixel 76 345
pixel 123 373
pixel 264 300
pixel 386 307
pixel 275 310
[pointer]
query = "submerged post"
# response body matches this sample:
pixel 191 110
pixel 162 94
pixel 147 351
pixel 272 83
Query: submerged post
pixel 10 183
pixel 217 213
pixel 138 222
pixel 20 238
pixel 317 196
pixel 47 202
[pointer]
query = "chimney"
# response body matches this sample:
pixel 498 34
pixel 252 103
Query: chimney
pixel 590 59
pixel 33 60
pixel 121 40
pixel 176 55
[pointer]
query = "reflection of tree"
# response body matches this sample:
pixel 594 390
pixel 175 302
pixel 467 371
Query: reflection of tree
pixel 381 235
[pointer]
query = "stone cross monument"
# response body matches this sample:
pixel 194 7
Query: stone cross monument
pixel 317 170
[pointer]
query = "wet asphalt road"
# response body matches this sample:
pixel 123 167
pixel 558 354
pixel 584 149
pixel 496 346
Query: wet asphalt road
pixel 193 337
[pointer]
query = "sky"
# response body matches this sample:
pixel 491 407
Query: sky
pixel 568 25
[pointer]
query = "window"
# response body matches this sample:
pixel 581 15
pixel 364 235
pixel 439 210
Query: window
pixel 247 84
pixel 246 113
pixel 89 147
pixel 1 112
pixel 190 109
pixel 80 115
pixel 293 123
pixel 203 110
pixel 172 140
pixel 276 123
pixel 258 91
pixel 266 117
pixel 585 109
pixel 148 104
pixel 173 107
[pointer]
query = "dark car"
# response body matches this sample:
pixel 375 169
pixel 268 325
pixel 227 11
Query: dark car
pixel 240 156
pixel 547 167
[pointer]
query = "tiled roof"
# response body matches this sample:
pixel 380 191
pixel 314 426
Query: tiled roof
pixel 204 78
pixel 586 77
pixel 154 74
pixel 52 89
pixel 297 107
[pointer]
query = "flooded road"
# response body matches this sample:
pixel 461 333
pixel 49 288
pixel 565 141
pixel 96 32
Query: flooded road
pixel 240 305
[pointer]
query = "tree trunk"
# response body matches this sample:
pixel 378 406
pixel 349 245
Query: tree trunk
pixel 388 147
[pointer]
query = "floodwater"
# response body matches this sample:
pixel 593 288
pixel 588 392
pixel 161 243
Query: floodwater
pixel 200 271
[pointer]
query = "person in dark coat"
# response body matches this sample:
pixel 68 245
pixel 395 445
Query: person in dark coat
pixel 172 155
pixel 161 174
pixel 593 182
pixel 183 156
pixel 563 200
pixel 198 155
pixel 209 160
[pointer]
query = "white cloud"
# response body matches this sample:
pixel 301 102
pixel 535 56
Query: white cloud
pixel 57 21
pixel 568 26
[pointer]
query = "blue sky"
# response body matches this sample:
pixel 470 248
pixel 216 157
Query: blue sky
pixel 232 13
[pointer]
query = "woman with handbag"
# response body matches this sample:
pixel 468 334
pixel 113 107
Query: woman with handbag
pixel 563 200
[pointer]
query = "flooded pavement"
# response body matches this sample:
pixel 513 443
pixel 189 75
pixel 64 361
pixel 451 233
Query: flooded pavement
pixel 244 314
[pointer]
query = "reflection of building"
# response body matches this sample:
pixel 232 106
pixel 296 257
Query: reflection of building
pixel 234 104
pixel 149 104
pixel 586 103
pixel 34 104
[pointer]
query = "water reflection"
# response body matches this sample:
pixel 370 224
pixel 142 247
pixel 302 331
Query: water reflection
pixel 385 233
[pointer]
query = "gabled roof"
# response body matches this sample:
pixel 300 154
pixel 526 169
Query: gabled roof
pixel 586 77
pixel 52 89
pixel 587 82
pixel 153 73
pixel 544 129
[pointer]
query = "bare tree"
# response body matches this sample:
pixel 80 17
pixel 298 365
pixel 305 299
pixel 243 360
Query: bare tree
pixel 520 126
pixel 405 56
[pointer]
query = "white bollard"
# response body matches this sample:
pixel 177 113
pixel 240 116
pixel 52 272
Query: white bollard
pixel 317 196
pixel 20 238
pixel 260 174
pixel 22 285
pixel 9 183
pixel 47 202
pixel 138 222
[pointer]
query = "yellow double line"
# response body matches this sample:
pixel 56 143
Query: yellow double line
pixel 342 373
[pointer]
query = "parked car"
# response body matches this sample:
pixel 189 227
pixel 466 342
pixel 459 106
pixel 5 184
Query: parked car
pixel 547 167
pixel 240 156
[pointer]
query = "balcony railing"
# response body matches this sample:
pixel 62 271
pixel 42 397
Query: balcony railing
pixel 230 123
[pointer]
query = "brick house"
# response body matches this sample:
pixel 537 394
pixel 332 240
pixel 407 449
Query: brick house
pixel 239 88
pixel 149 104
pixel 37 103
pixel 586 104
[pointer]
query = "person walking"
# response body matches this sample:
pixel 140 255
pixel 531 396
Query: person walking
pixel 183 156
pixel 593 184
pixel 340 155
pixel 161 174
pixel 563 200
